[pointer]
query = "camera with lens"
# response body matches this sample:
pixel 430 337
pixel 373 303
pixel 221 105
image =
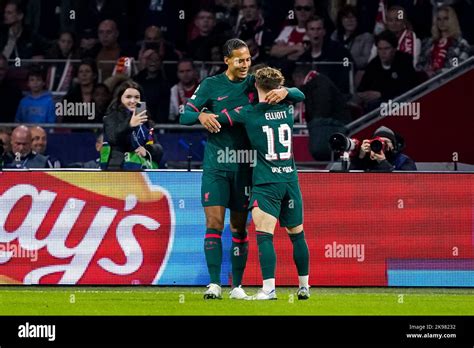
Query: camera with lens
pixel 342 143
pixel 377 145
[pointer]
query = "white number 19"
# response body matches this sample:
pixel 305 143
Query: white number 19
pixel 284 137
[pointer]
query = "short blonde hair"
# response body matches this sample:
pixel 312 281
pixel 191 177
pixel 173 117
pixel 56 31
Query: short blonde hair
pixel 269 78
pixel 453 23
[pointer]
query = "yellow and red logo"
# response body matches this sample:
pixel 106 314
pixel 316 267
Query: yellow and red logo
pixel 83 228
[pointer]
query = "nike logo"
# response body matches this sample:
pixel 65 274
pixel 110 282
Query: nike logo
pixel 222 98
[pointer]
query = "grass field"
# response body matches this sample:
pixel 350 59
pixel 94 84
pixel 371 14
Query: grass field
pixel 189 301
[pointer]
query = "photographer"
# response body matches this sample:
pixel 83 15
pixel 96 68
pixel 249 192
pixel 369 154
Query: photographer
pixel 389 158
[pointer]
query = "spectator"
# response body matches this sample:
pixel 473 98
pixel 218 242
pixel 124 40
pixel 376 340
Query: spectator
pixel 121 123
pixel 155 87
pixel 321 49
pixel 446 47
pixel 5 139
pixel 214 67
pixel 21 155
pixel 200 47
pixel 163 13
pixel 39 143
pixel 348 33
pixel 289 44
pixel 101 97
pixel 184 89
pixel 419 15
pixel 254 50
pixel 227 12
pixel 81 92
pixel 87 41
pixel 326 113
pixel 108 48
pixel 10 94
pixel 93 12
pixel 60 75
pixel 388 75
pixel 397 22
pixel 251 25
pixel 17 40
pixel 38 106
pixel 48 18
pixel 252 29
pixel 153 40
pixel 390 158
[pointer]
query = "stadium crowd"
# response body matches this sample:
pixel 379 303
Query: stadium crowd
pixel 356 53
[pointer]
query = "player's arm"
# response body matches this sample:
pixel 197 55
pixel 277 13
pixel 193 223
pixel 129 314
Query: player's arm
pixel 229 117
pixel 275 96
pixel 192 113
pixel 284 93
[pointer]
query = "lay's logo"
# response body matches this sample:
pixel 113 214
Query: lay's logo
pixel 86 228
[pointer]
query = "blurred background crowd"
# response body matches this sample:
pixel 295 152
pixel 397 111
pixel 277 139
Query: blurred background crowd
pixel 348 56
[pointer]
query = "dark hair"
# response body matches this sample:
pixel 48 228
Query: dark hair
pixel 55 51
pixel 316 18
pixel 101 85
pixel 388 36
pixel 116 103
pixel 92 64
pixel 231 45
pixel 37 71
pixel 186 60
pixel 345 11
pixel 257 2
pixel 208 9
pixel 20 5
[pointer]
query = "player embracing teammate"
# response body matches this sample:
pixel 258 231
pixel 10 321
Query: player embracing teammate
pixel 226 184
pixel 276 193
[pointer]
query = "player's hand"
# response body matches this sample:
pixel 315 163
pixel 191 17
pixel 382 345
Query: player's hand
pixel 209 121
pixel 276 95
pixel 138 119
pixel 364 148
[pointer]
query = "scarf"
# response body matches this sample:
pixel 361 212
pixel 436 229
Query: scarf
pixel 439 53
pixel 66 77
pixel 406 43
pixel 183 95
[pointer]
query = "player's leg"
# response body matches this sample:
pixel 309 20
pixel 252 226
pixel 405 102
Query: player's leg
pixel 265 227
pixel 239 201
pixel 291 217
pixel 265 203
pixel 213 249
pixel 238 251
pixel 301 259
pixel 214 197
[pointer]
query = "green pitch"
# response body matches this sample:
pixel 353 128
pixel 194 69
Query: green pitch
pixel 189 301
